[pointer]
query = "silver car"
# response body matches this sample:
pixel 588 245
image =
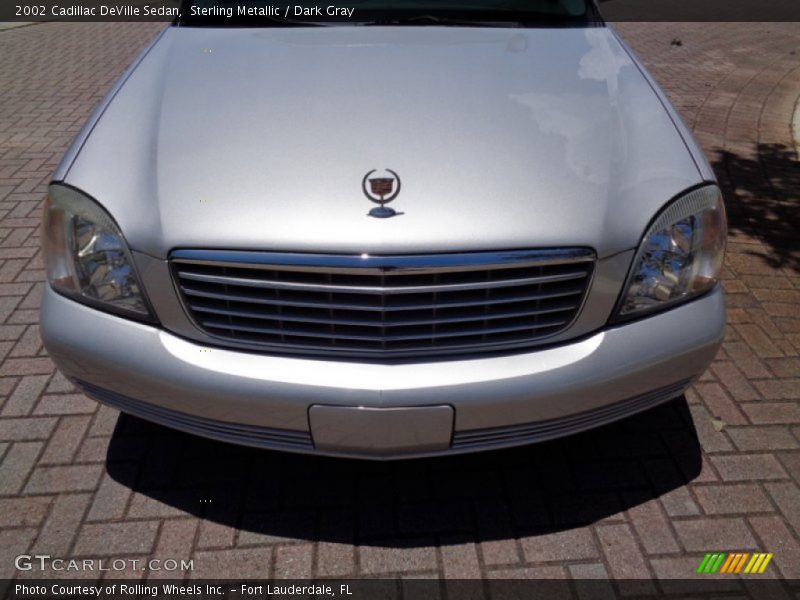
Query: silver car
pixel 406 230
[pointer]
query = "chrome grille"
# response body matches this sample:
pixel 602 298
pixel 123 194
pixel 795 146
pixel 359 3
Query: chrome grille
pixel 383 306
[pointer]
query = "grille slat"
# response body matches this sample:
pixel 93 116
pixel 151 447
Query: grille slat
pixel 383 306
pixel 377 290
pixel 375 322
pixel 220 325
pixel 373 308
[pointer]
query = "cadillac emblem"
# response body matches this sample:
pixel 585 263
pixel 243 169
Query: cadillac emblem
pixel 381 190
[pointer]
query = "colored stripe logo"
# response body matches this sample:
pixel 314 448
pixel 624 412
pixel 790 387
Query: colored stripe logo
pixel 735 562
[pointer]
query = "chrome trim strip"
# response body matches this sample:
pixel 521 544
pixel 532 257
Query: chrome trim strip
pixel 364 263
pixel 527 433
pixel 220 430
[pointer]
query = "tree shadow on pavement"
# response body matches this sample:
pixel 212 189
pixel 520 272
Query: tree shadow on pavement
pixel 498 495
pixel 762 195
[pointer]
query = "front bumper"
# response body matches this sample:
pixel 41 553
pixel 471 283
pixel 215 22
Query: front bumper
pixel 397 410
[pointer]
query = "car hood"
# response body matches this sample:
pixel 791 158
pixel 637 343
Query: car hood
pixel 502 138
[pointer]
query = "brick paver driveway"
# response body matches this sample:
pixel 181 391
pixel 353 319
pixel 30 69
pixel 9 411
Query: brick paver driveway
pixel 646 498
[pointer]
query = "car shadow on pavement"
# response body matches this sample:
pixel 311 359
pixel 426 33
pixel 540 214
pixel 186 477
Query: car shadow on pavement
pixel 488 496
pixel 762 197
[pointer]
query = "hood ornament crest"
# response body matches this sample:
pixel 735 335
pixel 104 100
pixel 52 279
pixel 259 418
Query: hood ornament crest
pixel 381 190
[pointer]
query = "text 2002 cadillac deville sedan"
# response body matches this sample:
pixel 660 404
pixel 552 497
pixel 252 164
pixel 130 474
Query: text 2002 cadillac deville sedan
pixel 421 229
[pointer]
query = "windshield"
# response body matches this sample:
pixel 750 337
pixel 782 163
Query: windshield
pixel 466 13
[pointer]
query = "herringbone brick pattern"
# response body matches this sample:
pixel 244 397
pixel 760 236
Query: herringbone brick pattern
pixel 643 499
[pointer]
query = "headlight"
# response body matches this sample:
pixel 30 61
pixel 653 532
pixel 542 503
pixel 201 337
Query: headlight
pixel 86 255
pixel 681 254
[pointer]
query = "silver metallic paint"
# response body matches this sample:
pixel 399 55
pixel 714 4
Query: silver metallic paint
pixel 506 138
pixel 706 172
